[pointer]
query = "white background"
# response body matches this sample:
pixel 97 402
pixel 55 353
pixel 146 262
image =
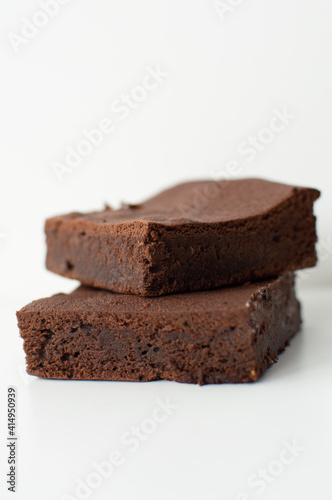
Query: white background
pixel 226 75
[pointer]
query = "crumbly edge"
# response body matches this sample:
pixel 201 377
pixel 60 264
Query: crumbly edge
pixel 195 257
pixel 275 317
pixel 113 259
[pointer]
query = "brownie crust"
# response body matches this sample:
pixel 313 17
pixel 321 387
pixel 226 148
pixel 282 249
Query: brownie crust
pixel 225 335
pixel 195 236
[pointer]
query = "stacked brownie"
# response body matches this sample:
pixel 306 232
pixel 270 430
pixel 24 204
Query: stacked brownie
pixel 194 285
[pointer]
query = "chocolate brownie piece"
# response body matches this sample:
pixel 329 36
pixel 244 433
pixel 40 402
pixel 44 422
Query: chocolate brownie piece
pixel 195 236
pixel 226 335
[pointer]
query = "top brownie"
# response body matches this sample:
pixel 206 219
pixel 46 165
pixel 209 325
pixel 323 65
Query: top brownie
pixel 194 236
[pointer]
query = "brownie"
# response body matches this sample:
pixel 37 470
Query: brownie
pixel 195 236
pixel 225 335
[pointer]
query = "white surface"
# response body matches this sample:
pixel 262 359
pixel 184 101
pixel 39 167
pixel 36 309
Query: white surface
pixel 226 77
pixel 208 447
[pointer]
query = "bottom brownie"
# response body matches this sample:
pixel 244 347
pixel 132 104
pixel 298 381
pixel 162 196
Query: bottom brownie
pixel 226 335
